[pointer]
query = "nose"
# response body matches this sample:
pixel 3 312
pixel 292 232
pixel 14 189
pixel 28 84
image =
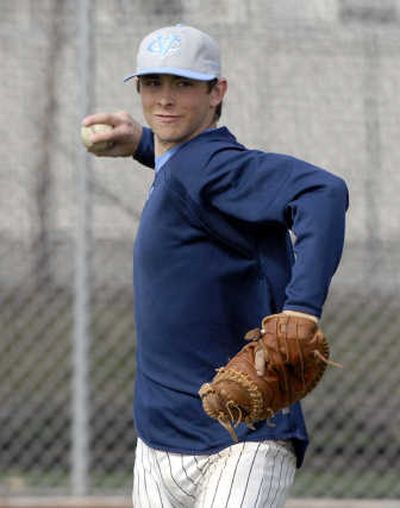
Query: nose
pixel 166 96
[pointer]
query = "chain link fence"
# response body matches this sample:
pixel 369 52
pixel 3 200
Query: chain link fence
pixel 315 79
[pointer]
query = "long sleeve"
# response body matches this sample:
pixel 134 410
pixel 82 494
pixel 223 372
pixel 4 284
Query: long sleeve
pixel 317 218
pixel 270 188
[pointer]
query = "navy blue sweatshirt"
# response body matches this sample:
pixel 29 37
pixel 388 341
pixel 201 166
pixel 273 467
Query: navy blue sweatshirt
pixel 212 257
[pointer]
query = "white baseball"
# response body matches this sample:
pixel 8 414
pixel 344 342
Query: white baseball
pixel 92 129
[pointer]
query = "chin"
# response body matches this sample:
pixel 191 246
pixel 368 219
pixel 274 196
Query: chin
pixel 171 139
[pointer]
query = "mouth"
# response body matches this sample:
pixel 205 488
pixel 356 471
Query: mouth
pixel 166 118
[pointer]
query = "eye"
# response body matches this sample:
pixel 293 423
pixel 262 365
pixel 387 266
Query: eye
pixel 184 83
pixel 150 82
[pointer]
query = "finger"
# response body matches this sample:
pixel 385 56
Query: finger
pixel 112 151
pixel 107 136
pixel 112 119
pixel 259 361
pixel 104 151
pixel 253 334
pixel 119 133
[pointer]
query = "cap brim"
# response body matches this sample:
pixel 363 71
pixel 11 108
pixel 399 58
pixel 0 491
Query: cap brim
pixel 200 76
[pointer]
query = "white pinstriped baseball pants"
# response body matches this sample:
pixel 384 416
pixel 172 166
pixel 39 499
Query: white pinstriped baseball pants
pixel 246 475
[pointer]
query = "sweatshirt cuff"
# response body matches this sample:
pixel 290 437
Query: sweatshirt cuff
pixel 145 150
pixel 301 314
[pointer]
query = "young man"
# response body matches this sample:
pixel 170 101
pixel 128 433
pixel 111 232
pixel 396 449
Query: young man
pixel 212 257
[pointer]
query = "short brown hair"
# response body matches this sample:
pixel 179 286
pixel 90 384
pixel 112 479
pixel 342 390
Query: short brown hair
pixel 218 109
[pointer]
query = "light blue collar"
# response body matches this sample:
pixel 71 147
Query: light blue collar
pixel 164 158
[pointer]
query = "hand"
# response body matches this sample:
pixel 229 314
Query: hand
pixel 259 354
pixel 124 138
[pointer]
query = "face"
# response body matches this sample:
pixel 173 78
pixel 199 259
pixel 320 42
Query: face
pixel 178 109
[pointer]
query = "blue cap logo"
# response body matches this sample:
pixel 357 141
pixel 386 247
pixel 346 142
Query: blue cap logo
pixel 164 45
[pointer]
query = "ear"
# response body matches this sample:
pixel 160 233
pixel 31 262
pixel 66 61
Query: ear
pixel 218 92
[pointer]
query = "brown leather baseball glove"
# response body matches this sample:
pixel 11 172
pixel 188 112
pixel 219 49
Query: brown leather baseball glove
pixel 284 361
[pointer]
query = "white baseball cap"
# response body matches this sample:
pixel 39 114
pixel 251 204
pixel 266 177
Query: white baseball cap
pixel 179 50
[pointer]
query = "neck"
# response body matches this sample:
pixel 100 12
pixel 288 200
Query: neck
pixel 161 147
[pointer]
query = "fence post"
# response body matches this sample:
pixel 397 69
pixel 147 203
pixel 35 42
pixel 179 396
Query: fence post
pixel 81 333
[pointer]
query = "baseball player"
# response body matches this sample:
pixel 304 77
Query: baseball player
pixel 212 257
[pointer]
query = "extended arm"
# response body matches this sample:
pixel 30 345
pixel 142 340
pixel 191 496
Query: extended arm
pixel 127 139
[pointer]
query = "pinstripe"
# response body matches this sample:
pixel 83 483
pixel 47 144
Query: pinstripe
pixel 134 487
pixel 282 475
pixel 174 480
pixel 150 459
pixel 229 478
pixel 199 468
pixel 272 473
pixel 278 487
pixel 248 476
pixel 234 474
pixel 216 488
pixel 141 466
pixel 138 475
pixel 259 490
pixel 291 470
pixel 186 473
pixel 288 482
pixel 159 495
pixel 219 477
pixel 144 475
pixel 282 491
pixel 163 481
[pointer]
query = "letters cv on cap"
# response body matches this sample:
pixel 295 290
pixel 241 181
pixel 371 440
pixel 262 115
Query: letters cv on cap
pixel 179 50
